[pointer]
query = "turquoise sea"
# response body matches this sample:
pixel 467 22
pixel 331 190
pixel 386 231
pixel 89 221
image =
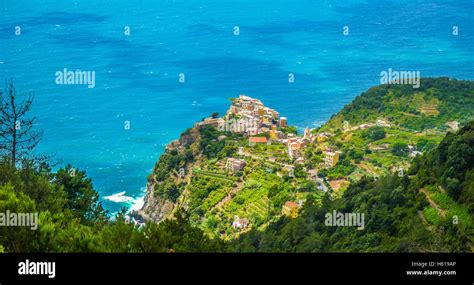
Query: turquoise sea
pixel 137 76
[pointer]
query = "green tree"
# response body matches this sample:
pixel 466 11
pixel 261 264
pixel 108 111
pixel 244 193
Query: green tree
pixel 16 238
pixel 81 197
pixel 374 133
pixel 400 149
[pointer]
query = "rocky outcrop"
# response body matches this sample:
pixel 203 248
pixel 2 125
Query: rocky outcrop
pixel 155 208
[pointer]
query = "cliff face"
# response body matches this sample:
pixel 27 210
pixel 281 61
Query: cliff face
pixel 155 208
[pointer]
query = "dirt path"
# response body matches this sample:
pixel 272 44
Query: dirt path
pixel 425 222
pixel 432 203
pixel 229 196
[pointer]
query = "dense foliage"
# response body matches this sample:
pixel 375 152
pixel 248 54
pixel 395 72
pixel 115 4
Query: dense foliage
pixel 71 218
pixel 451 166
pixel 435 102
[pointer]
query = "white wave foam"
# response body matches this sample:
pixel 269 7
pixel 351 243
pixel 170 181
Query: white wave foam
pixel 137 203
pixel 119 198
pixel 132 203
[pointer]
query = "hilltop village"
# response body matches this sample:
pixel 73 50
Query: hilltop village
pixel 263 125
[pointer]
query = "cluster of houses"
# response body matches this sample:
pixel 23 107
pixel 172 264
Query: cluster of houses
pixel 295 144
pixel 248 116
pixel 252 115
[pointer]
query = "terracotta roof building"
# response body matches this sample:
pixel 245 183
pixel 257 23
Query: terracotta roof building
pixel 290 209
pixel 255 140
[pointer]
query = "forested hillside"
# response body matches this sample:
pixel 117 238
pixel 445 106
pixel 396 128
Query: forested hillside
pixel 435 102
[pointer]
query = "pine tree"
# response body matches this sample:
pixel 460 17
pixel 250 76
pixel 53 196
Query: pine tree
pixel 17 137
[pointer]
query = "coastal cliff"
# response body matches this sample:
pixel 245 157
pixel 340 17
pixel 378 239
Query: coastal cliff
pixel 165 183
pixel 155 208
